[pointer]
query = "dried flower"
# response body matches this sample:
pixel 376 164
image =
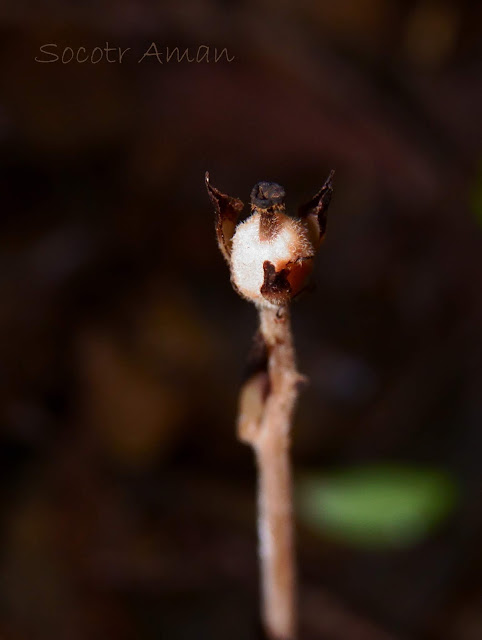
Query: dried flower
pixel 270 254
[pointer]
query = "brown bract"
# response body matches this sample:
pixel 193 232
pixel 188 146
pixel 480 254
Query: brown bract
pixel 227 211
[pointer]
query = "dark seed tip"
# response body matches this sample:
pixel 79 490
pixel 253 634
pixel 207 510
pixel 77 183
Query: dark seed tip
pixel 267 194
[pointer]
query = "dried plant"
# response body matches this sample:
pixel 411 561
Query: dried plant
pixel 270 256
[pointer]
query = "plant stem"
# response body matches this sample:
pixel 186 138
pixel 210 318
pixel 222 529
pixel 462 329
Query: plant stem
pixel 270 439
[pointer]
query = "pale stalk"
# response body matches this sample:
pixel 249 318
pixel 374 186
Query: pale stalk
pixel 269 435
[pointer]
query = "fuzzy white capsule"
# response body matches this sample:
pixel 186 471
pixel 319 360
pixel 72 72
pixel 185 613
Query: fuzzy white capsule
pixel 287 248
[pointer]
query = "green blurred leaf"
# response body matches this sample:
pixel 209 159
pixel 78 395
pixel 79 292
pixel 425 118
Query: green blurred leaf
pixel 377 505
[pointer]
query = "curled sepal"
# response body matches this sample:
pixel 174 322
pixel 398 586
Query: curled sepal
pixel 314 212
pixel 276 288
pixel 227 210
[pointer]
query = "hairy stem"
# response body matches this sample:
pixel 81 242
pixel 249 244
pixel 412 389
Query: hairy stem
pixel 269 434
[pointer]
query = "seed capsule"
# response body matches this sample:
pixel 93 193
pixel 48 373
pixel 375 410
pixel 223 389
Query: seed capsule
pixel 270 254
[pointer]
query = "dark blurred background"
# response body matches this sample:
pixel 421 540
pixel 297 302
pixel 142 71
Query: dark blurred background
pixel 127 504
